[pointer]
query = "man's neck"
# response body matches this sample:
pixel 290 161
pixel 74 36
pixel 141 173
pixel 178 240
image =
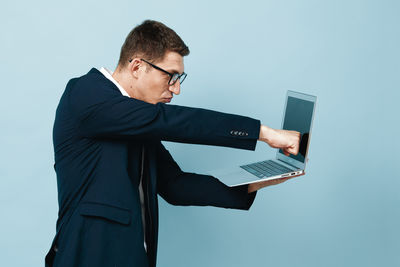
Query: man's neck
pixel 123 79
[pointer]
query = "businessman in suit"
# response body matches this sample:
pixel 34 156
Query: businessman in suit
pixel 111 164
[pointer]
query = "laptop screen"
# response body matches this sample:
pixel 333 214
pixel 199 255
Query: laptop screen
pixel 298 117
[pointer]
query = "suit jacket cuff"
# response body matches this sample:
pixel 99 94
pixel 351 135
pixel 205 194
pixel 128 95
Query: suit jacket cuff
pixel 248 198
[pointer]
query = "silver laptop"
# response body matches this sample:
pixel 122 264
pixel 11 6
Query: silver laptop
pixel 298 116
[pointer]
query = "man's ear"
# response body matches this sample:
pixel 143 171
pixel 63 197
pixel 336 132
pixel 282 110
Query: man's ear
pixel 135 66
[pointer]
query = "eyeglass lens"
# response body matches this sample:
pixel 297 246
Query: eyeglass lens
pixel 177 76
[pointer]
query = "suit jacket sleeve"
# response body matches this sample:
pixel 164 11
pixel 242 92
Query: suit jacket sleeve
pixel 184 188
pixel 101 111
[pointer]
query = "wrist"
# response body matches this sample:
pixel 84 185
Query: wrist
pixel 251 188
pixel 265 133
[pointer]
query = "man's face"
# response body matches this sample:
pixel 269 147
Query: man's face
pixel 152 86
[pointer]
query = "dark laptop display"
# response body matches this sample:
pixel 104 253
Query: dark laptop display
pixel 298 117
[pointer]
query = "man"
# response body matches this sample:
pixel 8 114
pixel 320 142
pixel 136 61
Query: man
pixel 110 161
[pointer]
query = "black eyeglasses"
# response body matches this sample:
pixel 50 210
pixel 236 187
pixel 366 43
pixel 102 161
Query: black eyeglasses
pixel 173 77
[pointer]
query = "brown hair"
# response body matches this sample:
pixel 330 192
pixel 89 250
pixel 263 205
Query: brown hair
pixel 151 40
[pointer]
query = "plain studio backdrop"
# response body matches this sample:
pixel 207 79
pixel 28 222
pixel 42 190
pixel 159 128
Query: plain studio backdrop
pixel 244 56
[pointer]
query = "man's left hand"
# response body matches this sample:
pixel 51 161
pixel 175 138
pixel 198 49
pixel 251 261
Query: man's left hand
pixel 259 185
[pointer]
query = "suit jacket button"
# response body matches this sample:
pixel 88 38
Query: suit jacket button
pixel 236 132
pixel 232 132
pixel 246 134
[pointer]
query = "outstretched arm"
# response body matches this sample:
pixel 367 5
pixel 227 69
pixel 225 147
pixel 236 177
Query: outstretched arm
pixel 184 188
pixel 100 111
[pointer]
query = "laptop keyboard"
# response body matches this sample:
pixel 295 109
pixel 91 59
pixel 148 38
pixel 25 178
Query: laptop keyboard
pixel 266 168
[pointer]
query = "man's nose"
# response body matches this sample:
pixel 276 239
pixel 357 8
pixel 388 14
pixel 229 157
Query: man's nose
pixel 176 88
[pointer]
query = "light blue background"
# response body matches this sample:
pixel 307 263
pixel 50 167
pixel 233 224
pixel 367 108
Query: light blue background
pixel 244 56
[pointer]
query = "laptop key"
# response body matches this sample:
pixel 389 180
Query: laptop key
pixel 252 171
pixel 280 166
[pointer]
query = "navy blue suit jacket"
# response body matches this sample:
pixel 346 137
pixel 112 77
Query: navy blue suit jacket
pixel 101 138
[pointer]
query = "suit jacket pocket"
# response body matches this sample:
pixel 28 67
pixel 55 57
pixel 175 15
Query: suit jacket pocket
pixel 105 211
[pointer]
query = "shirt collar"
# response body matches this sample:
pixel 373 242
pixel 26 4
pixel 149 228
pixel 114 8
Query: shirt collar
pixel 108 75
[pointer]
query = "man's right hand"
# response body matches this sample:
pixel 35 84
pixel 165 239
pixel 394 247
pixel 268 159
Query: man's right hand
pixel 288 141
